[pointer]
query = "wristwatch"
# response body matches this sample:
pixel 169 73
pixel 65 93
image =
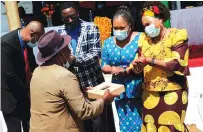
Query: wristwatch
pixel 152 63
pixel 125 69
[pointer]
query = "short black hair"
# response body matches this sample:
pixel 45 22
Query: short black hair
pixel 21 11
pixel 164 11
pixel 126 13
pixel 69 4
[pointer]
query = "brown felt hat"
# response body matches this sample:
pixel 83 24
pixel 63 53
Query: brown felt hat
pixel 50 44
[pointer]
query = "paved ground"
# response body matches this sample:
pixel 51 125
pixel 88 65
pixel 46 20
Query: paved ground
pixel 192 128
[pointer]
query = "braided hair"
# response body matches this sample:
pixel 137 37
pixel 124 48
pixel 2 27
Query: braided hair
pixel 126 13
pixel 164 11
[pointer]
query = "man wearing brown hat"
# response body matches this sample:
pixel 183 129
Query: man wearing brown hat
pixel 57 103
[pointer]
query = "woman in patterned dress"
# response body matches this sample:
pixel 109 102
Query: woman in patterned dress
pixel 118 52
pixel 165 59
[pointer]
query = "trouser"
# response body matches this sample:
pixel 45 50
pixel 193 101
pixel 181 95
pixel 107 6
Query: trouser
pixel 101 123
pixel 13 123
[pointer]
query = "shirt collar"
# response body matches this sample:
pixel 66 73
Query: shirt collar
pixel 21 40
pixel 76 30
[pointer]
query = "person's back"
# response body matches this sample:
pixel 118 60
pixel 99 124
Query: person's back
pixel 47 103
pixel 54 95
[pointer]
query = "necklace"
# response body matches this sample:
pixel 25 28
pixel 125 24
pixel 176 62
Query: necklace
pixel 162 35
pixel 156 43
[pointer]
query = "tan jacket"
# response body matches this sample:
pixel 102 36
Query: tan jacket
pixel 57 103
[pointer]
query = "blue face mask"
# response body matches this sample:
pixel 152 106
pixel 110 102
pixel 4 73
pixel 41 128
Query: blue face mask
pixel 120 34
pixel 32 45
pixel 152 31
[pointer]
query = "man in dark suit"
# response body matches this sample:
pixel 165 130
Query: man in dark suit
pixel 18 62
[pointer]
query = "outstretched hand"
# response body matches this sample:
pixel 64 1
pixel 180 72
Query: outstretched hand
pixel 108 97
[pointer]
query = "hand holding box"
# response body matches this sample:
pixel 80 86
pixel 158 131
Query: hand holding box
pixel 98 91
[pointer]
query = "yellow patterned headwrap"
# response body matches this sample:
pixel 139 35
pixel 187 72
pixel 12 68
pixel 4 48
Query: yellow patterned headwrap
pixel 152 11
pixel 148 13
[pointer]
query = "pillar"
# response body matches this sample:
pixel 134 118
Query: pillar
pixel 13 15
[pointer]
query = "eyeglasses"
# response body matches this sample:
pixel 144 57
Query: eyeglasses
pixel 72 17
pixel 32 31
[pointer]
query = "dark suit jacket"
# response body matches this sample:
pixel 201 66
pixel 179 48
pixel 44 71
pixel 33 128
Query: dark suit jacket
pixel 14 92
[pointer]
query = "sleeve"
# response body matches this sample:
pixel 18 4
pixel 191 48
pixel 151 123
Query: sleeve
pixel 94 46
pixel 10 81
pixel 178 63
pixel 76 101
pixel 32 60
pixel 105 54
pixel 142 40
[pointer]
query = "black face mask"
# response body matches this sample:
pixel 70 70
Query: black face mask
pixel 72 25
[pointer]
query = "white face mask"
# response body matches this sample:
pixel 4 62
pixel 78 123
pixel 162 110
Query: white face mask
pixel 32 45
pixel 152 31
pixel 67 65
pixel 120 34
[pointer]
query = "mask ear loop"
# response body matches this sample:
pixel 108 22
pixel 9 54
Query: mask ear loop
pixel 67 63
pixel 60 58
pixel 129 30
pixel 35 38
pixel 31 32
pixel 64 56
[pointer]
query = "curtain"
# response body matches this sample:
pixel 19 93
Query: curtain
pixel 167 23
